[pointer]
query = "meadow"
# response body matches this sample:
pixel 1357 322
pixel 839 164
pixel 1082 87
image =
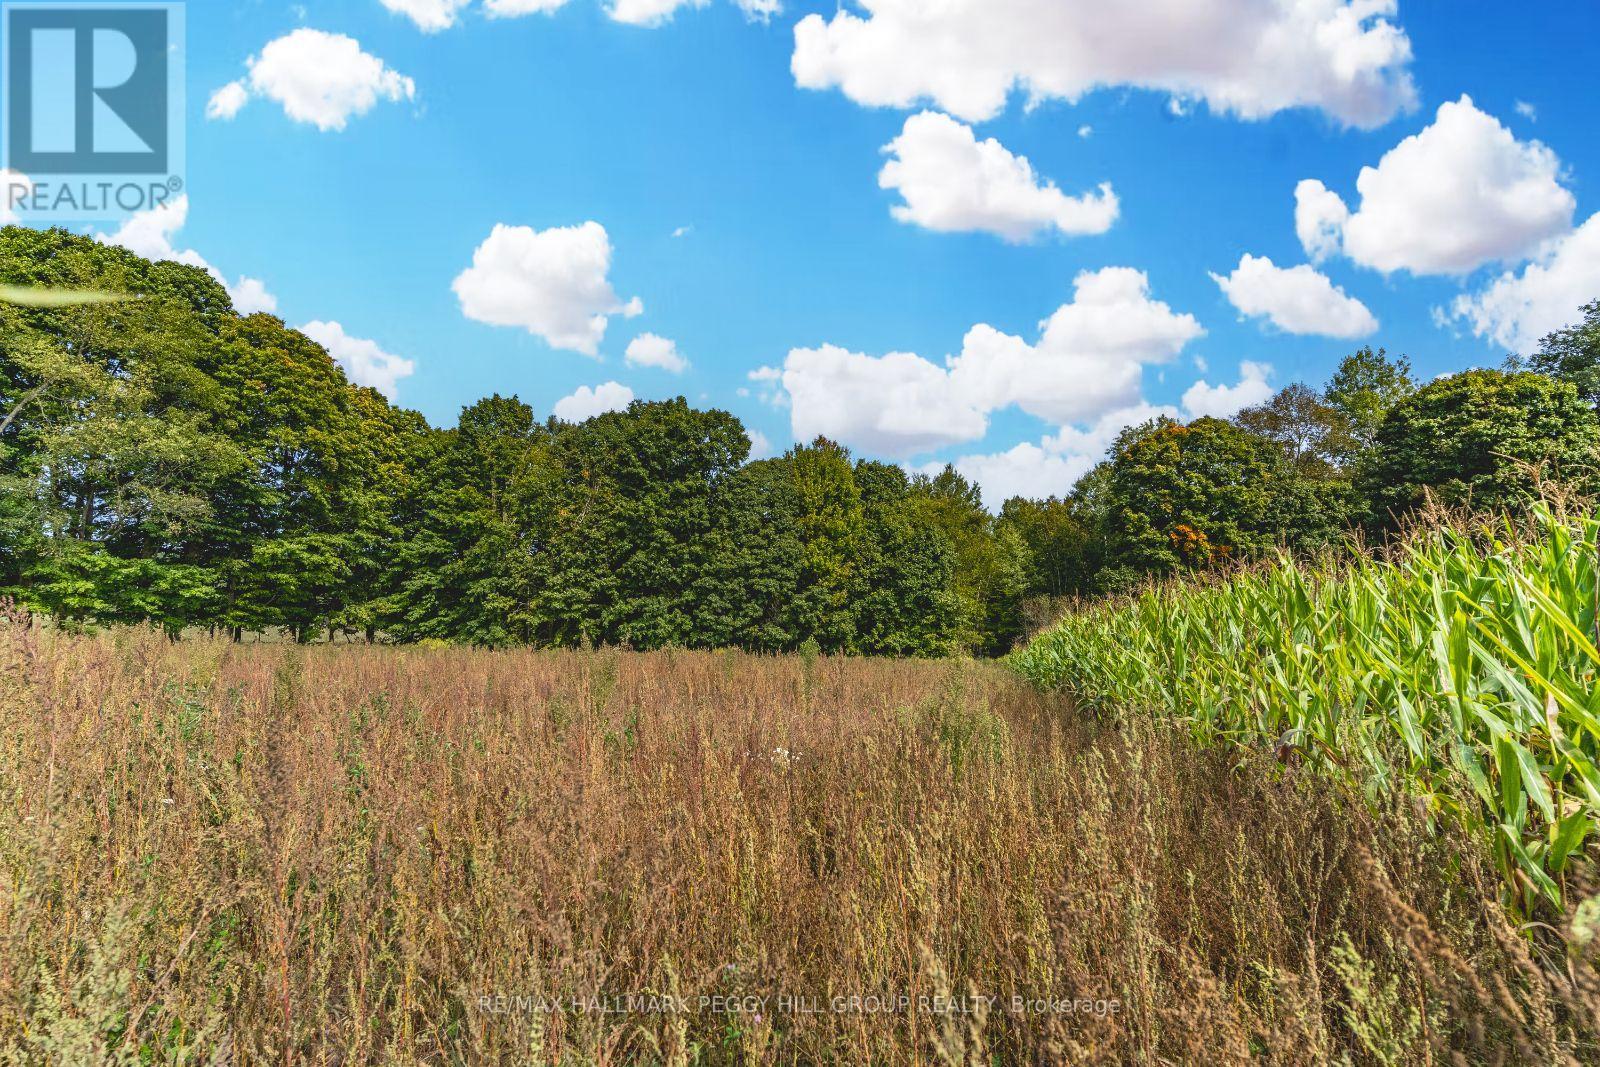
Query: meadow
pixel 216 852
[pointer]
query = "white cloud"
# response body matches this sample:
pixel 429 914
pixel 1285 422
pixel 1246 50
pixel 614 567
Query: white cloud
pixel 150 233
pixel 649 12
pixel 431 16
pixel 1027 470
pixel 553 283
pixel 1462 193
pixel 1319 218
pixel 1088 360
pixel 1517 310
pixel 769 384
pixel 898 404
pixel 228 101
pixel 1226 401
pixel 760 447
pixel 1054 465
pixel 1250 58
pixel 363 361
pixel 586 403
pixel 1090 354
pixel 503 9
pixel 954 183
pixel 683 231
pixel 760 10
pixel 15 187
pixel 1299 300
pixel 250 296
pixel 1097 438
pixel 651 350
pixel 1085 131
pixel 323 79
pixel 657 12
pixel 1527 110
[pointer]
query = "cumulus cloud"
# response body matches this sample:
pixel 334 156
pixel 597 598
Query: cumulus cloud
pixel 1250 58
pixel 651 350
pixel 1299 300
pixel 760 10
pixel 657 12
pixel 649 12
pixel 15 187
pixel 323 79
pixel 513 8
pixel 1028 470
pixel 250 295
pixel 228 101
pixel 1516 310
pixel 1226 401
pixel 586 403
pixel 952 182
pixel 431 16
pixel 553 283
pixel 364 362
pixel 1319 218
pixel 150 234
pixel 1462 193
pixel 1088 360
pixel 898 404
pixel 1094 439
pixel 1054 465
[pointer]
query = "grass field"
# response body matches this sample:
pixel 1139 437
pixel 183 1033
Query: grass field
pixel 339 855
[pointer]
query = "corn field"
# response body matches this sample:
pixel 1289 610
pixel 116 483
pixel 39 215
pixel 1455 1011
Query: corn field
pixel 1460 669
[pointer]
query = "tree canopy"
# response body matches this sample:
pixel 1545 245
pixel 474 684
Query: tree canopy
pixel 164 459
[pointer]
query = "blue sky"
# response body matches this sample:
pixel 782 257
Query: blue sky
pixel 745 211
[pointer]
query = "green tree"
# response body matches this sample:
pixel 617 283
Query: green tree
pixel 907 604
pixel 622 521
pixel 747 592
pixel 398 446
pixel 830 530
pixel 1185 497
pixel 1478 438
pixel 1573 355
pixel 991 561
pixel 1361 392
pixel 1059 535
pixel 109 454
pixel 287 531
pixel 466 564
pixel 1314 434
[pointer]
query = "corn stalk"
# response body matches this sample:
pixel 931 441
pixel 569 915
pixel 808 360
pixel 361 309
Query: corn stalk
pixel 1461 672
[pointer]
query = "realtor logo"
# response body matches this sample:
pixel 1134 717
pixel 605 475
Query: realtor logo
pixel 93 107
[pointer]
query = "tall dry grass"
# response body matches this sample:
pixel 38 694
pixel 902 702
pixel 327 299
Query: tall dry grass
pixel 216 853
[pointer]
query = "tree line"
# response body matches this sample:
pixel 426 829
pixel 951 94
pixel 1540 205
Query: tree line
pixel 166 460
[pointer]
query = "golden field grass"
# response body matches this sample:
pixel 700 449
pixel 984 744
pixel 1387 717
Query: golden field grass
pixel 347 855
